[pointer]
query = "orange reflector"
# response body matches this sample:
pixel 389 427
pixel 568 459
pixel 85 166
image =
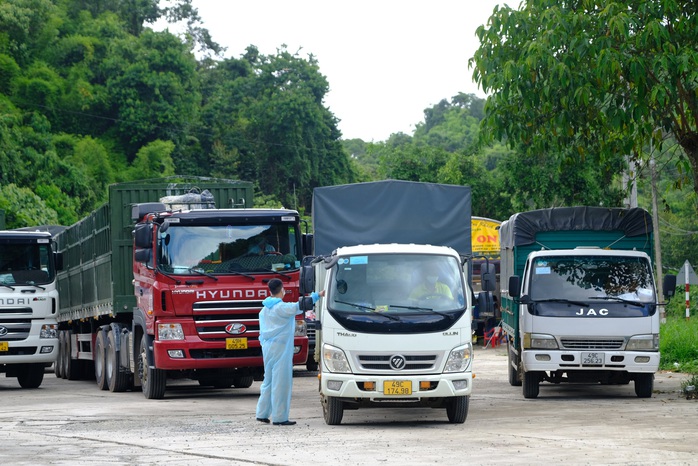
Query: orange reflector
pixel 370 386
pixel 424 385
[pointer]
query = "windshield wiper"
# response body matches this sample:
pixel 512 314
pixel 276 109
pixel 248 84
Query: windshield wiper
pixel 417 308
pixel 10 287
pixel 30 284
pixel 560 300
pixel 368 308
pixel 620 300
pixel 280 273
pixel 201 272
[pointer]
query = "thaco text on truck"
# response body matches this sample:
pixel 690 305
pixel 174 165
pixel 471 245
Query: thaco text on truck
pixel 379 343
pixel 159 284
pixel 28 304
pixel 579 300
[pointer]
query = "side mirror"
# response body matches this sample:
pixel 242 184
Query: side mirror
pixel 142 255
pixel 307 244
pixel 669 286
pixel 307 280
pixel 58 260
pixel 305 303
pixel 485 303
pixel 488 277
pixel 143 235
pixel 514 286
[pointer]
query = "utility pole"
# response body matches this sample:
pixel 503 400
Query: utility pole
pixel 655 228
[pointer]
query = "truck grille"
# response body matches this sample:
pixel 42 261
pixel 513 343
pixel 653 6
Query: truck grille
pixel 17 329
pixel 413 362
pixel 592 344
pixel 211 318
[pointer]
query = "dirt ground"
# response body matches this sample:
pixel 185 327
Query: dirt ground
pixel 74 423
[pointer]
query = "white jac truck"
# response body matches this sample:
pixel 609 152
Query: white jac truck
pixel 579 301
pixel 379 342
pixel 28 305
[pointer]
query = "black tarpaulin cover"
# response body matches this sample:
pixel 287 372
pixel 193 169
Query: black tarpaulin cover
pixel 521 228
pixel 392 212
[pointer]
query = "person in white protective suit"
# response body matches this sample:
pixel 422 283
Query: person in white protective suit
pixel 276 328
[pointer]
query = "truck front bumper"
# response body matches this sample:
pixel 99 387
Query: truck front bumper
pixel 194 353
pixel 31 350
pixel 421 386
pixel 555 360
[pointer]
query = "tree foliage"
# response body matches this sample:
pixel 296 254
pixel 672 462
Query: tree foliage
pixel 591 79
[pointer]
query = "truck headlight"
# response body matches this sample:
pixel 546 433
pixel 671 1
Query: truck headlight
pixel 539 341
pixel 643 343
pixel 301 329
pixel 335 359
pixel 170 332
pixel 49 331
pixel 459 358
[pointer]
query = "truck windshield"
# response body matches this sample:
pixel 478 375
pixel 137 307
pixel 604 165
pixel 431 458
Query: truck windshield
pixel 22 263
pixel 246 249
pixel 370 292
pixel 590 279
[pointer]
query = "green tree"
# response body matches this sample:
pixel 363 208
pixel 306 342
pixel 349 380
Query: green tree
pixel 154 160
pixel 24 208
pixel 591 79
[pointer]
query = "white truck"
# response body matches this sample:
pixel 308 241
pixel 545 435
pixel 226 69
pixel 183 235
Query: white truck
pixel 379 344
pixel 28 305
pixel 579 301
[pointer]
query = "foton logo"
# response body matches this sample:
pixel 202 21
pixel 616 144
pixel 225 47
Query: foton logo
pixel 235 329
pixel 232 294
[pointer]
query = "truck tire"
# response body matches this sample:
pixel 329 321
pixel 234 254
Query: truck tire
pixel 514 378
pixel 457 409
pixel 99 359
pixel 71 368
pixel 30 375
pixel 531 384
pixel 243 381
pixel 153 381
pixel 332 410
pixel 117 380
pixel 58 365
pixel 644 385
pixel 311 364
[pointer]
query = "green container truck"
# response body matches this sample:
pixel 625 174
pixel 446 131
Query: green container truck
pixel 182 303
pixel 579 301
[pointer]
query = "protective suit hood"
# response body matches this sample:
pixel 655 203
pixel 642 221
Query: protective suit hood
pixel 270 302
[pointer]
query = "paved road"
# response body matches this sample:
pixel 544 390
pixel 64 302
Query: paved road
pixel 73 423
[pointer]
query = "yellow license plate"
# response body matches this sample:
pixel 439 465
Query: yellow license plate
pixel 4 346
pixel 236 343
pixel 397 387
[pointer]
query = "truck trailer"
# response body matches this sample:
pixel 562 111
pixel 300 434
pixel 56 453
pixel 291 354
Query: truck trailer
pixel 28 304
pixel 379 342
pixel 579 300
pixel 166 280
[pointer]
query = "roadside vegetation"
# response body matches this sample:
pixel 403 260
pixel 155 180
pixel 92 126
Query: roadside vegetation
pixel 678 341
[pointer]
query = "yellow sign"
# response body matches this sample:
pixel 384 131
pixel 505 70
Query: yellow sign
pixel 485 236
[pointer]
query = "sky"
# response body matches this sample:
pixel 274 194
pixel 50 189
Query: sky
pixel 385 60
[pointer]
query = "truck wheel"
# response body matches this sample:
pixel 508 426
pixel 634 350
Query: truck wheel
pixel 71 368
pixel 457 409
pixel 514 379
pixel 30 375
pixel 531 384
pixel 244 381
pixel 99 358
pixel 117 380
pixel 58 365
pixel 153 381
pixel 311 364
pixel 332 410
pixel 644 385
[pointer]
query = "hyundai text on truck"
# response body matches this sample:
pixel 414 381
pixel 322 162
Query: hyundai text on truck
pixel 28 305
pixel 166 281
pixel 379 346
pixel 579 300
